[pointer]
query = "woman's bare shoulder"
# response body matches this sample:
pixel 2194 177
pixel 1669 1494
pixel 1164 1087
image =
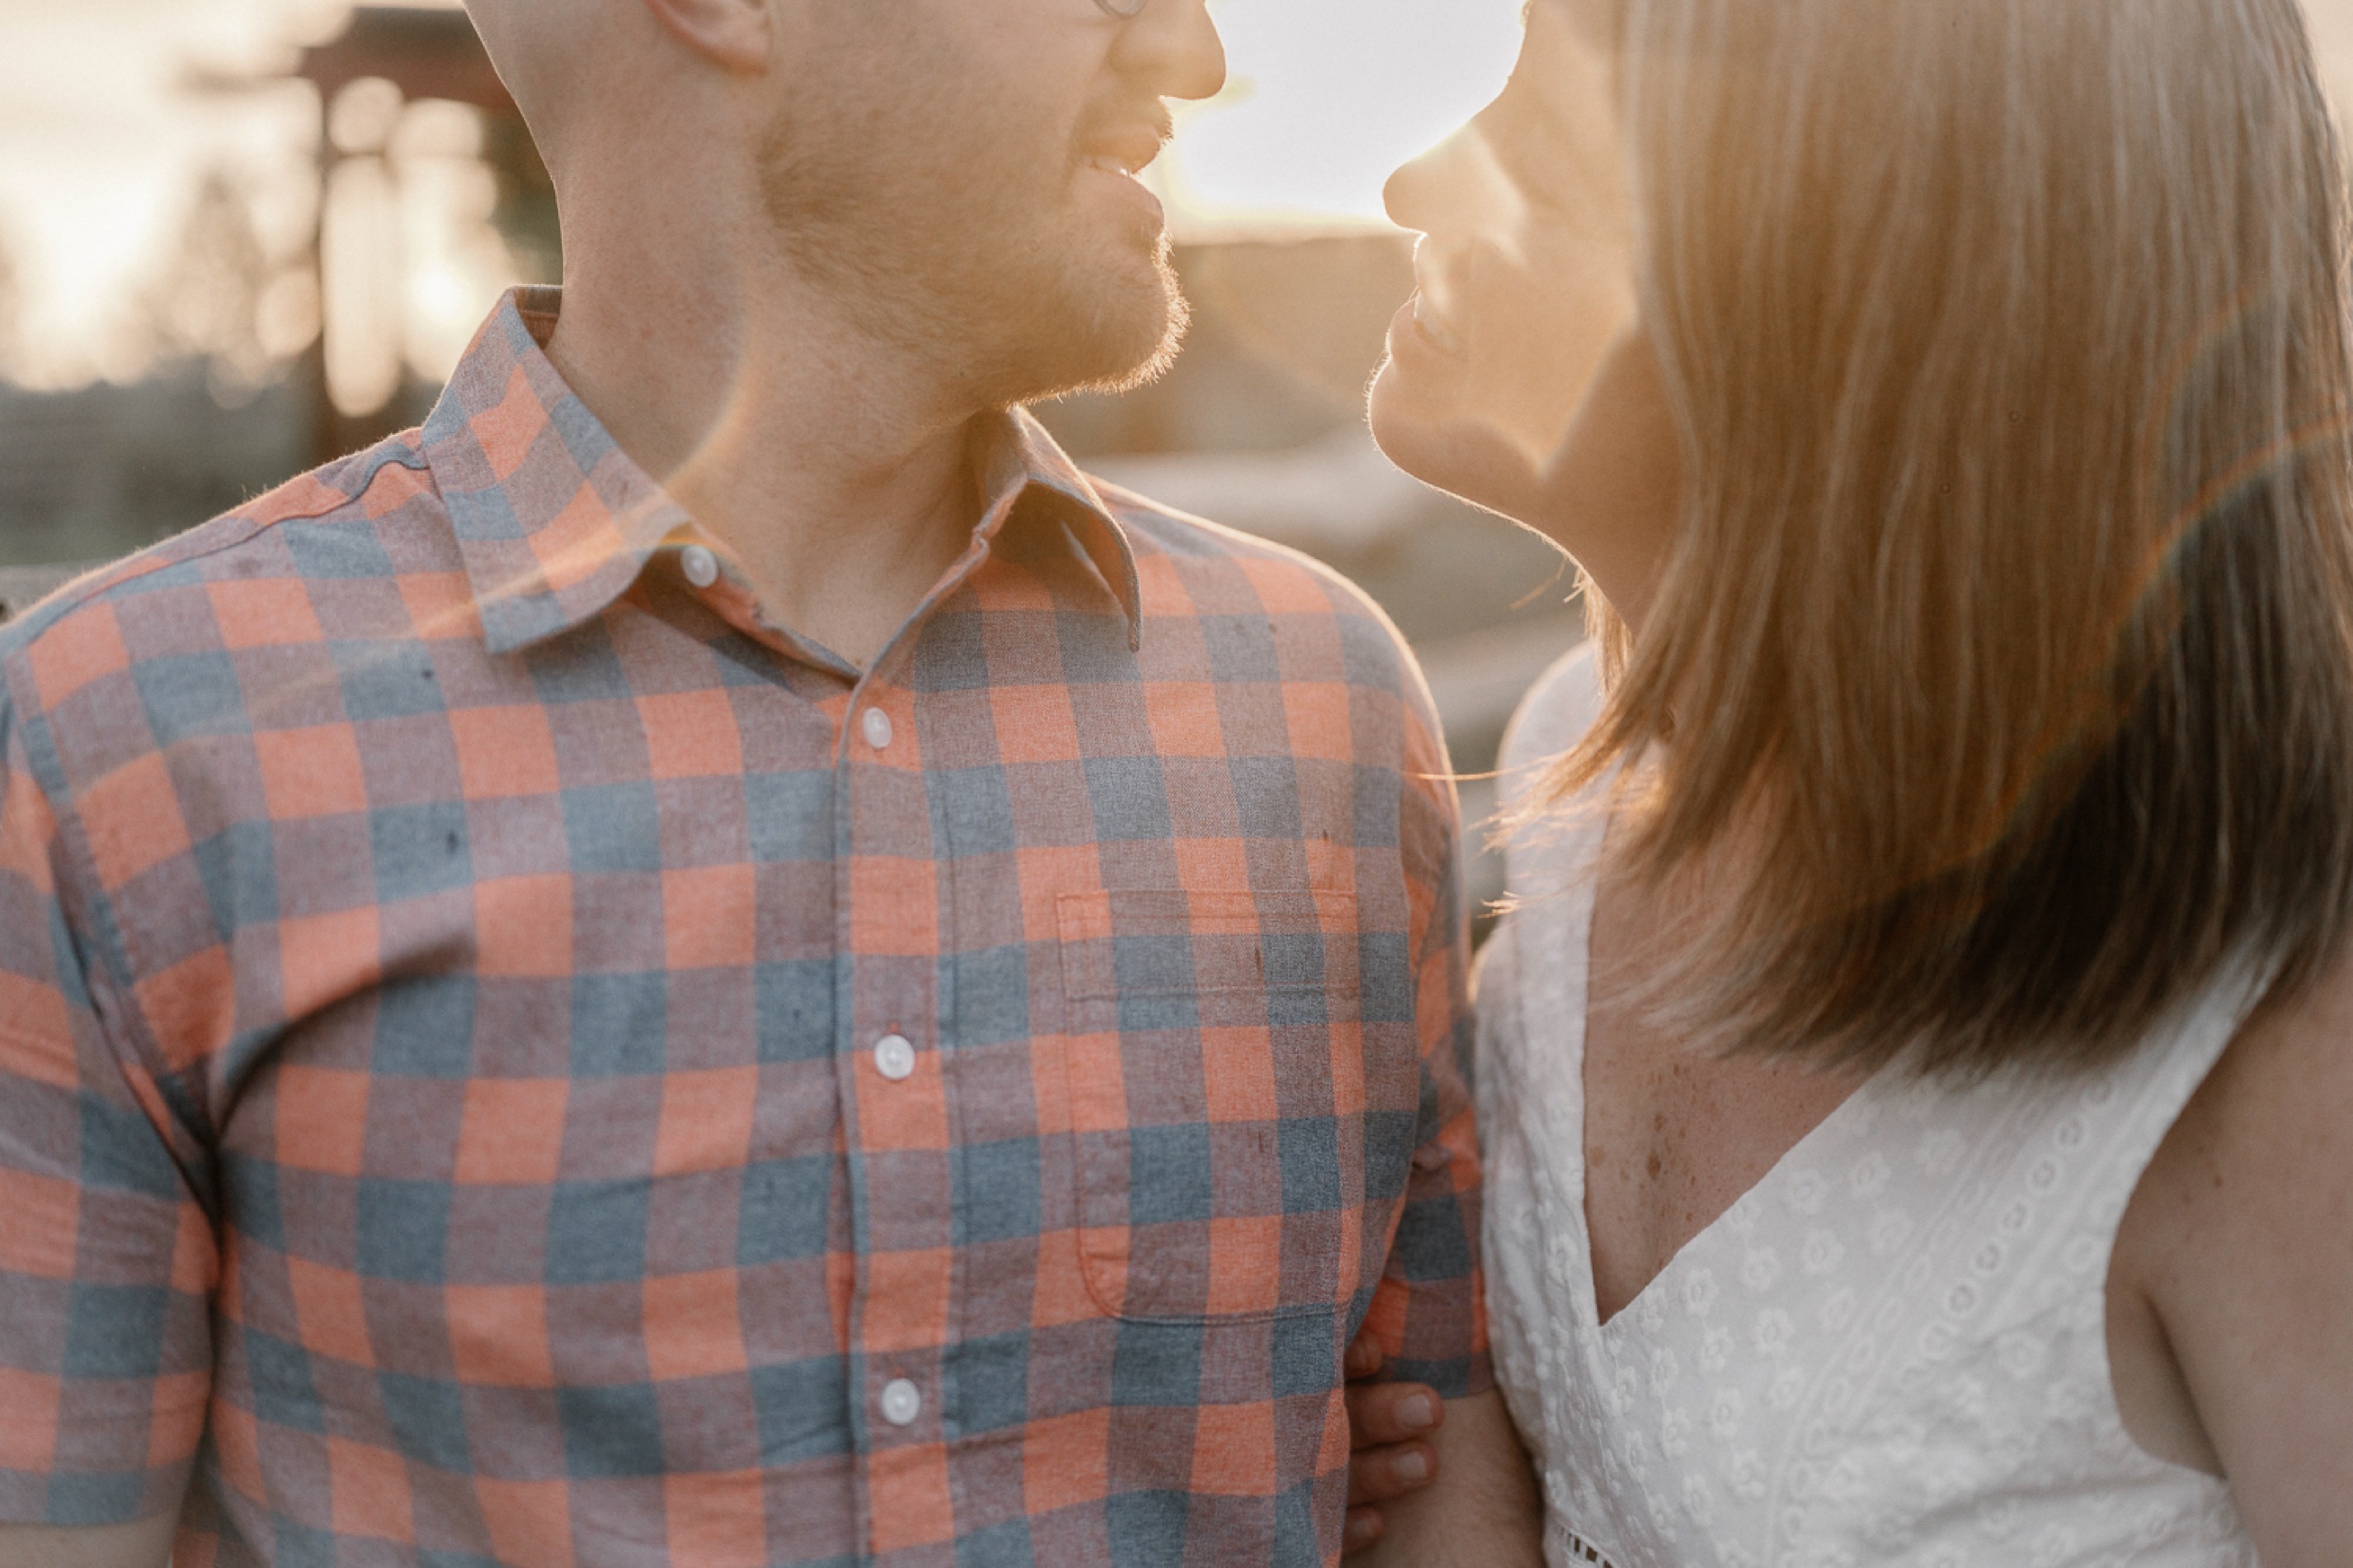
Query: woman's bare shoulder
pixel 2242 1240
pixel 2281 1098
pixel 2290 1071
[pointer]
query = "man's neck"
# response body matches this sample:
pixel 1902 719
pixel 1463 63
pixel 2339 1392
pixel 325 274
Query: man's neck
pixel 836 468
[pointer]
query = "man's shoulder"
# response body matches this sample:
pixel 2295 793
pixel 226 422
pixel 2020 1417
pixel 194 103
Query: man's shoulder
pixel 183 635
pixel 338 509
pixel 1192 565
pixel 1155 529
pixel 1248 611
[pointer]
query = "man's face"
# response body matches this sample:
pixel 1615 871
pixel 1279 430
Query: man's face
pixel 954 173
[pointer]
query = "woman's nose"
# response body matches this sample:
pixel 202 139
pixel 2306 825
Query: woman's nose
pixel 1457 187
pixel 1408 195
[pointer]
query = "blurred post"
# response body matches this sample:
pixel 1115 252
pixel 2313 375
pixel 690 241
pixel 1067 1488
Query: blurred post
pixel 387 57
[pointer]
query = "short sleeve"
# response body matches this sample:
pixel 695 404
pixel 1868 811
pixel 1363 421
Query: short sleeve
pixel 107 1259
pixel 1430 1310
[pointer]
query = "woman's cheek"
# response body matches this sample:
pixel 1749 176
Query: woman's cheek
pixel 1533 376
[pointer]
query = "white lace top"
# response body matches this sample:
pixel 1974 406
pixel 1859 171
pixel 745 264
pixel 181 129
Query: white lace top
pixel 1891 1351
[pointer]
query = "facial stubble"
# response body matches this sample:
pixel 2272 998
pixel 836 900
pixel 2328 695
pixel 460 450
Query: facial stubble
pixel 964 251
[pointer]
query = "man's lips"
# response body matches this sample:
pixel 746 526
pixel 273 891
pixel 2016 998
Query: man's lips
pixel 1124 146
pixel 1109 163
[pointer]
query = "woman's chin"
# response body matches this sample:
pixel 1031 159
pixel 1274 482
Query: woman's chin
pixel 1447 446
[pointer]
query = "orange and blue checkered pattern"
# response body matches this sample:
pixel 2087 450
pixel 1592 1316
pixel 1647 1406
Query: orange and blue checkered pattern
pixel 442 957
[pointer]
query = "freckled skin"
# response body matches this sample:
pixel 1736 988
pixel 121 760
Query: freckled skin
pixel 1699 1131
pixel 2230 1293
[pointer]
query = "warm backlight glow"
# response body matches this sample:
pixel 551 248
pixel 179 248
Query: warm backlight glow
pixel 101 140
pixel 1326 97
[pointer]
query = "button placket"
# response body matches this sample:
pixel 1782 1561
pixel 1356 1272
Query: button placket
pixel 901 1126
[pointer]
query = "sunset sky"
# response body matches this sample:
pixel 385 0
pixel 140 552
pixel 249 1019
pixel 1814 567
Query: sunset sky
pixel 98 146
pixel 98 149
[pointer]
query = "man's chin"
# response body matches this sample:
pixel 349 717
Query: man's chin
pixel 1096 343
pixel 1136 368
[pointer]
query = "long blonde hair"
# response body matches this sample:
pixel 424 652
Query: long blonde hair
pixel 2006 648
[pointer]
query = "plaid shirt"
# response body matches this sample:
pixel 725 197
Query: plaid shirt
pixel 508 1056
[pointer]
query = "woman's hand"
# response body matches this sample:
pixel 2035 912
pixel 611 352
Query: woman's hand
pixel 1486 1513
pixel 1387 1425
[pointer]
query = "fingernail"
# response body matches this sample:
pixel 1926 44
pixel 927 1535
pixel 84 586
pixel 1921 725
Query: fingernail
pixel 1416 1412
pixel 1412 1468
pixel 1364 1529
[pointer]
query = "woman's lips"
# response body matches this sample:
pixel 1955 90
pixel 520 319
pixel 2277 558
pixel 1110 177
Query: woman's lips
pixel 1434 326
pixel 1426 366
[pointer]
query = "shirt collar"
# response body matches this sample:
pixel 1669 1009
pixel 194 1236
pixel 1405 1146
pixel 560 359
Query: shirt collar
pixel 554 522
pixel 1022 462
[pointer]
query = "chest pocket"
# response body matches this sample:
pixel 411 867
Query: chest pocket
pixel 1219 1075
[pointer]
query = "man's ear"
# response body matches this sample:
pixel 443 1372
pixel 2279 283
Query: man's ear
pixel 737 34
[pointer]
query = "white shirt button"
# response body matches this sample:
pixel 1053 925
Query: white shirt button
pixel 700 566
pixel 877 727
pixel 901 1403
pixel 895 1058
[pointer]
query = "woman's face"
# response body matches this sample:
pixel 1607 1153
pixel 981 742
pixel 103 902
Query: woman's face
pixel 1525 273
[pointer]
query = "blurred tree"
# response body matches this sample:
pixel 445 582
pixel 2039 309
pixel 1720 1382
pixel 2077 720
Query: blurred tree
pixel 206 303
